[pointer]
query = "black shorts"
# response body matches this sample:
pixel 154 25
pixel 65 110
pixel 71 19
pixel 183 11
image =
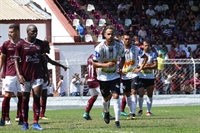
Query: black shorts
pixel 108 87
pixel 145 83
pixel 130 84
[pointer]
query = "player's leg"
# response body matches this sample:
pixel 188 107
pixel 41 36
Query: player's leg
pixel 150 89
pixel 36 92
pixel 94 92
pixel 9 87
pixel 115 90
pixel 43 101
pixel 26 88
pixel 141 94
pixel 19 103
pixel 134 88
pixel 123 105
pixel 105 92
pixel 127 94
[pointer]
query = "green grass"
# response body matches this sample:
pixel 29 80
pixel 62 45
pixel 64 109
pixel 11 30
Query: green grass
pixel 184 119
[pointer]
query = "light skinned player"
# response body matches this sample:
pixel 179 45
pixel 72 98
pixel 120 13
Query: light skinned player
pixel 105 59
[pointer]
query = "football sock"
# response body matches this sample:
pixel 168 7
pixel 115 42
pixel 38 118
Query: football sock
pixel 129 102
pixel 116 103
pixel 123 103
pixel 149 104
pixel 43 103
pixel 25 108
pixel 105 105
pixel 5 106
pixel 134 103
pixel 90 104
pixel 140 102
pixel 19 108
pixel 36 108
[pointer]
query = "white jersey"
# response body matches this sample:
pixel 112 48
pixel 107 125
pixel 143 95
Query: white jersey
pixel 76 86
pixel 103 54
pixel 131 61
pixel 148 73
pixel 61 89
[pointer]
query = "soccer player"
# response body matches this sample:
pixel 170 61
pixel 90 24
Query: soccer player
pixel 93 88
pixel 43 100
pixel 31 74
pixel 105 59
pixel 129 72
pixel 146 78
pixel 11 84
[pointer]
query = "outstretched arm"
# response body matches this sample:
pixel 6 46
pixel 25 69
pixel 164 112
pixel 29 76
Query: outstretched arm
pixel 57 64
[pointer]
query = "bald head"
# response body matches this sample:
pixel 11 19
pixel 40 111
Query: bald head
pixel 31 32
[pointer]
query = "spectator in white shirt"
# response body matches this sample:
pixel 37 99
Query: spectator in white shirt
pixel 185 47
pixel 158 8
pixel 142 34
pixel 121 9
pixel 150 12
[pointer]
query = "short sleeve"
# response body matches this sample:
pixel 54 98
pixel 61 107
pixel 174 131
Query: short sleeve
pixel 154 56
pixel 121 51
pixel 97 54
pixel 3 49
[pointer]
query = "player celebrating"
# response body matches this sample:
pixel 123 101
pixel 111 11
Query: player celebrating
pixel 44 87
pixel 105 59
pixel 11 84
pixel 30 73
pixel 129 72
pixel 146 78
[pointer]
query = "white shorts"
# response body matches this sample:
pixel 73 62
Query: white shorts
pixel 94 91
pixel 11 84
pixel 31 85
pixel 3 89
pixel 44 85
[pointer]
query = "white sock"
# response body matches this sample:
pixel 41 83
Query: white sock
pixel 105 105
pixel 140 102
pixel 149 104
pixel 129 102
pixel 116 108
pixel 134 103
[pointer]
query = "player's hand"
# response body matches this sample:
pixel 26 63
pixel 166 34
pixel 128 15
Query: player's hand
pixel 65 68
pixel 21 79
pixel 136 70
pixel 119 71
pixel 110 64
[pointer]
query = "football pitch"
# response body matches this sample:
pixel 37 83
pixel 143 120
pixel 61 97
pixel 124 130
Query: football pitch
pixel 173 119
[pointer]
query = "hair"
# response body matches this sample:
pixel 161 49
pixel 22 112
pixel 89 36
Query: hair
pixel 147 41
pixel 110 27
pixel 14 26
pixel 126 33
pixel 46 43
pixel 61 77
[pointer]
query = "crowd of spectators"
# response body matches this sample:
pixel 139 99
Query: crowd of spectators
pixel 175 23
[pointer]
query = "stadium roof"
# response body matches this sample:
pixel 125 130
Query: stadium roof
pixel 21 10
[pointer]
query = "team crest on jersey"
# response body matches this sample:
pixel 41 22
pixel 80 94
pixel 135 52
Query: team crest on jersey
pixel 37 47
pixel 96 54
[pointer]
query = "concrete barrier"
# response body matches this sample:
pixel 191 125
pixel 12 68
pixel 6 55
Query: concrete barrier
pixel 54 103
